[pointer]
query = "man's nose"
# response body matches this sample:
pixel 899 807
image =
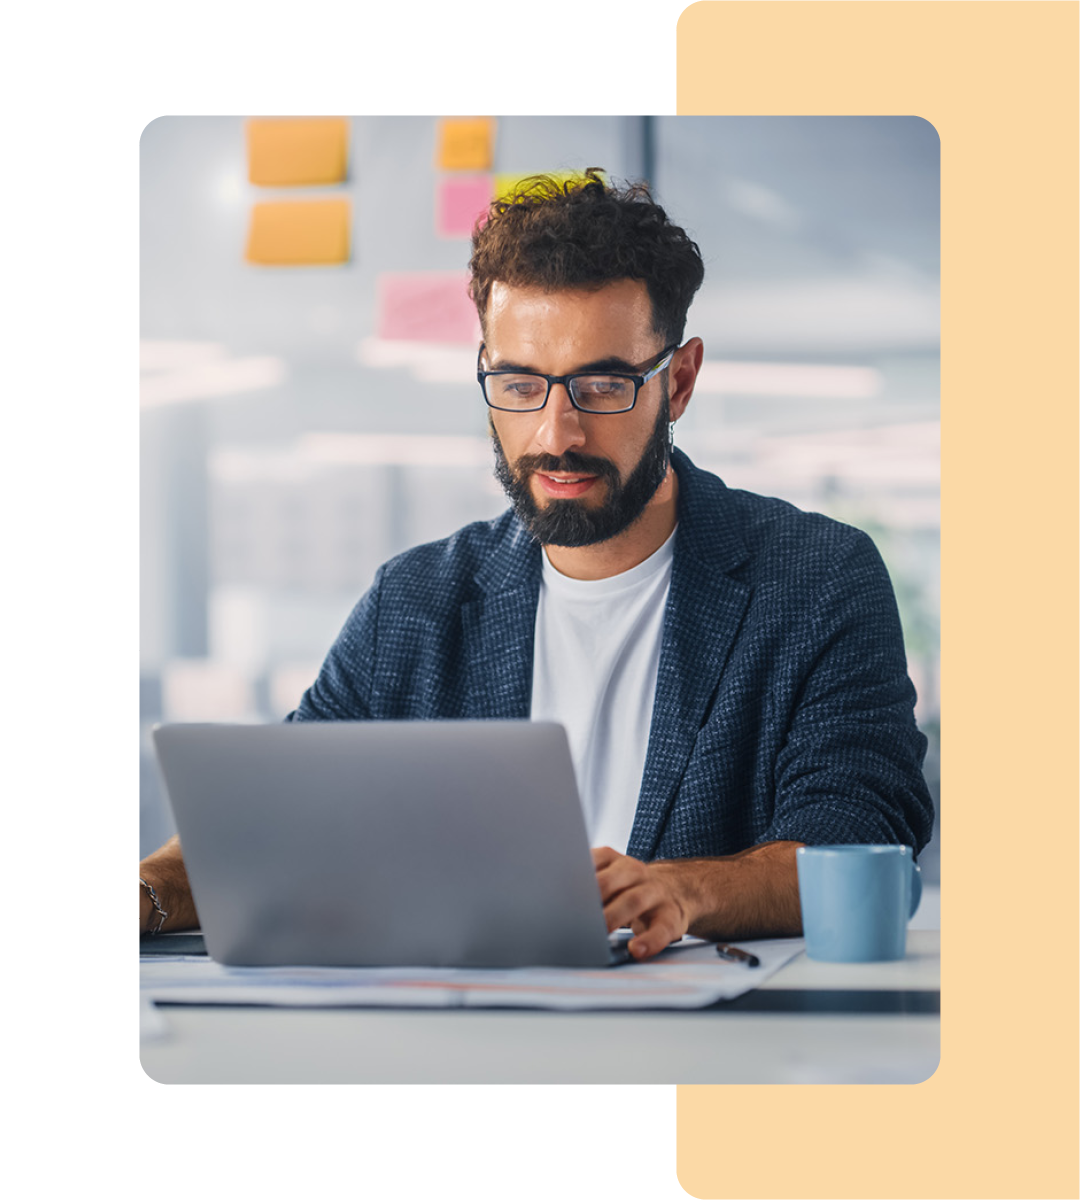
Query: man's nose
pixel 560 429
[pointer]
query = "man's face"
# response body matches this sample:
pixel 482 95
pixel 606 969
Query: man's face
pixel 574 478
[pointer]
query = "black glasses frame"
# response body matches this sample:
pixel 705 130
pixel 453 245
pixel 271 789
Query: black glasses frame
pixel 639 381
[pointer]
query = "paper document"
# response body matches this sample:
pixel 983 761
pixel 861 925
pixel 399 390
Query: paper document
pixel 684 976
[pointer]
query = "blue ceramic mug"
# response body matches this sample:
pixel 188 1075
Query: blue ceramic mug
pixel 857 900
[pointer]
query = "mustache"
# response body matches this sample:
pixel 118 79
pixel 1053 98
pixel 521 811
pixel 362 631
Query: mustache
pixel 569 463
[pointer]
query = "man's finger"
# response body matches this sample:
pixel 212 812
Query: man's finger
pixel 653 937
pixel 633 903
pixel 613 887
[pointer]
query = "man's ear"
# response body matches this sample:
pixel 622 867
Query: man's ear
pixel 684 370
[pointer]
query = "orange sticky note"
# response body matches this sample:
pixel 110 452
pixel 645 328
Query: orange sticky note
pixel 299 233
pixel 465 143
pixel 297 151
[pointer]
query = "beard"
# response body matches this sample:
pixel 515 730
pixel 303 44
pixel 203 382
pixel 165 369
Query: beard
pixel 570 522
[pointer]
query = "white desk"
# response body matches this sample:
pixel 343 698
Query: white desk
pixel 773 1035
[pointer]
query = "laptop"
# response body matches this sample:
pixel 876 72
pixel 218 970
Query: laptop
pixel 386 843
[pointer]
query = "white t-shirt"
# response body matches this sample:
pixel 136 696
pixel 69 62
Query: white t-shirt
pixel 595 658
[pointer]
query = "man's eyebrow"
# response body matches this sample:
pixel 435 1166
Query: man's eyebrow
pixel 612 363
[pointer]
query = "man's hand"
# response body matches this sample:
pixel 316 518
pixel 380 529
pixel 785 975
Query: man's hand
pixel 754 893
pixel 645 896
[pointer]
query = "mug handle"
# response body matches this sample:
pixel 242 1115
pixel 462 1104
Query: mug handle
pixel 916 888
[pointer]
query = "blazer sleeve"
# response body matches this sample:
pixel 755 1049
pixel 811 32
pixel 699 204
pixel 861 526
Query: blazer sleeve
pixel 342 691
pixel 850 767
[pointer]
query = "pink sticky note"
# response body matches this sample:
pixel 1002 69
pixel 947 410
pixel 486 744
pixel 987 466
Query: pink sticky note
pixel 427 306
pixel 459 201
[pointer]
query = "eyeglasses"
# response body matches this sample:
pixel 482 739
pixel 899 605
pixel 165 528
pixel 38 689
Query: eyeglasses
pixel 589 391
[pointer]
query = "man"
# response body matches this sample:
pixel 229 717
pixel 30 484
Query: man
pixel 730 670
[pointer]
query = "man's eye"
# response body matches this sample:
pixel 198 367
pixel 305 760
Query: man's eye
pixel 527 387
pixel 602 386
pixel 517 389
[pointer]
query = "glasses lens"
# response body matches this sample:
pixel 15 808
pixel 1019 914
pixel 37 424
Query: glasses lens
pixel 515 391
pixel 602 393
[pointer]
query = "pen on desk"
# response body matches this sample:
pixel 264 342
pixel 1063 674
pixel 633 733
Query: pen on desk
pixel 734 954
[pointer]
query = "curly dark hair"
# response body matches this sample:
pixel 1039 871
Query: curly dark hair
pixel 555 234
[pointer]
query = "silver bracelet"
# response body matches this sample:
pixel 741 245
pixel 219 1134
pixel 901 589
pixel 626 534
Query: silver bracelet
pixel 157 906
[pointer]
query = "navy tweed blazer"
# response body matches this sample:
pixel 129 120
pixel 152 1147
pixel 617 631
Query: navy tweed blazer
pixel 783 708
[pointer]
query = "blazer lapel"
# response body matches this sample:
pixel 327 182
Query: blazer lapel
pixel 705 609
pixel 498 633
pixel 702 619
pixel 498 628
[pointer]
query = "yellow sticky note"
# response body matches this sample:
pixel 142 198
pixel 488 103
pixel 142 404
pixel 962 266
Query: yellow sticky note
pixel 465 144
pixel 505 185
pixel 297 151
pixel 299 233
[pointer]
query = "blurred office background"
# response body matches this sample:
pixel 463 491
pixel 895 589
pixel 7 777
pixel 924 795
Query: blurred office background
pixel 302 423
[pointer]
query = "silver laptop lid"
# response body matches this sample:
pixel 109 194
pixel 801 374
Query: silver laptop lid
pixel 426 843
